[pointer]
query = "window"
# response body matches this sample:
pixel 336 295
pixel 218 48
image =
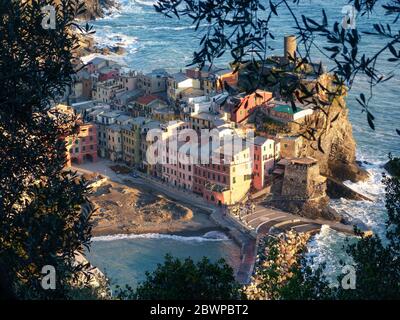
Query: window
pixel 234 180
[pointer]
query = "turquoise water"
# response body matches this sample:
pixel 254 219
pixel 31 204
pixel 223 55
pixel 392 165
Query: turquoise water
pixel 153 41
pixel 125 259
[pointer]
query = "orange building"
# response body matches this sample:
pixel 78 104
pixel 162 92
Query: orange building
pixel 240 108
pixel 82 145
pixel 223 77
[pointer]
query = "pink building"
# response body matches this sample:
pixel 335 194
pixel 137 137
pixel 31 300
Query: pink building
pixel 178 168
pixel 83 146
pixel 265 153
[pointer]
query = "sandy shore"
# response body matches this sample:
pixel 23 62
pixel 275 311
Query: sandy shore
pixel 132 209
pixel 197 226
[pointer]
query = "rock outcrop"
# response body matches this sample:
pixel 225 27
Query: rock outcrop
pixel 336 153
pixel 393 166
pixel 95 8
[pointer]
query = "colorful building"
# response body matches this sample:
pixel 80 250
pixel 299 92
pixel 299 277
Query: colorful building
pixel 227 182
pixel 114 142
pixel 265 154
pixel 81 146
pixel 143 106
pixel 131 141
pixel 287 113
pixel 153 82
pixel 84 145
pixel 179 166
pixel 223 77
pixel 241 107
pixel 179 82
pixel 145 142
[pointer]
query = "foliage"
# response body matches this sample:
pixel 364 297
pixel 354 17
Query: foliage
pixel 243 29
pixel 185 280
pixel 393 166
pixel 44 212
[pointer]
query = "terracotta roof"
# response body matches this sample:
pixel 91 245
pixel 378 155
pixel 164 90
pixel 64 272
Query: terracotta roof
pixel 145 100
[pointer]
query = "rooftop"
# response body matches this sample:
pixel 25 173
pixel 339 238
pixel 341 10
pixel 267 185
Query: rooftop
pixel 259 140
pixel 158 73
pixel 111 114
pixel 147 99
pixel 286 109
pixel 151 125
pixel 165 110
pixel 129 94
pixel 306 160
pixel 139 120
pixel 180 76
pixel 204 116
pixel 97 60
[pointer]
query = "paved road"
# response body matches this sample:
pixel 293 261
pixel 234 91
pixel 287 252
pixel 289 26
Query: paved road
pixel 264 220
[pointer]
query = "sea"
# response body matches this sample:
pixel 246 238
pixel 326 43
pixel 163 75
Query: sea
pixel 153 41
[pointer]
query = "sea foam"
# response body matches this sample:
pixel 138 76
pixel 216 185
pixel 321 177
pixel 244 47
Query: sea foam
pixel 209 236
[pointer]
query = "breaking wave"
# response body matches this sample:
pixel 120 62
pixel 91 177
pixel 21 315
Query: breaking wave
pixel 209 236
pixel 328 246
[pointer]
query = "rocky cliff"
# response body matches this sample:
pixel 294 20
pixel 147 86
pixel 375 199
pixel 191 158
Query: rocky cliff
pixel 337 151
pixel 95 8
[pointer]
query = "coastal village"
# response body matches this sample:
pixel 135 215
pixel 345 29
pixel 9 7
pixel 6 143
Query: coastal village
pixel 117 108
pixel 272 181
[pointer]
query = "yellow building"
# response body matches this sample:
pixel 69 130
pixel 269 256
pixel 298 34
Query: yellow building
pixel 128 144
pixel 131 141
pixel 227 182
